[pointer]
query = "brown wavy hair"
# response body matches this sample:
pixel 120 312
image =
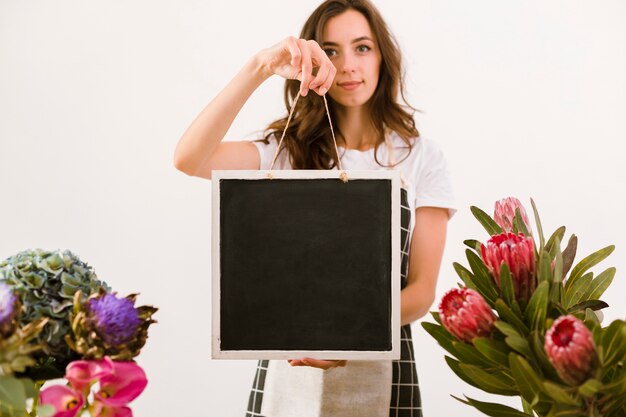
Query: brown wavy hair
pixel 308 138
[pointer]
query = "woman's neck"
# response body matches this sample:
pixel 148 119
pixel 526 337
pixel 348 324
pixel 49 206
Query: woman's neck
pixel 356 128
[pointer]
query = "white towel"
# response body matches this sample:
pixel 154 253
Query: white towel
pixel 360 389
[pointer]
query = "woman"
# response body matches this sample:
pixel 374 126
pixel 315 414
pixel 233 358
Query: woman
pixel 345 50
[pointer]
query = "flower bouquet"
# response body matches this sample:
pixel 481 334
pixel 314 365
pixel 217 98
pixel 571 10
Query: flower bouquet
pixel 58 320
pixel 527 322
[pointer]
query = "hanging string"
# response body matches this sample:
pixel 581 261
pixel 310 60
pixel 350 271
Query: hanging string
pixel 343 175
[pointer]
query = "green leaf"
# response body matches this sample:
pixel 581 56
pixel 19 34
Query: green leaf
pixel 506 329
pixel 455 366
pixel 590 388
pixel 617 387
pixel 29 387
pixel 560 394
pixel 539 228
pixel 469 354
pixel 557 274
pixel 589 304
pixel 519 225
pixel 554 242
pixel 506 314
pixel 506 284
pixel 486 221
pixel 578 288
pixel 494 383
pixel 482 278
pixel 591 260
pixel 614 343
pixel 536 341
pixel 436 317
pixel 472 244
pixel 465 275
pixel 544 267
pixel 538 307
pixel 591 319
pixel 527 408
pixel 493 409
pixel 441 335
pixel 530 384
pixel 494 350
pixel 569 254
pixel 46 410
pixel 520 345
pixel 12 393
pixel 557 309
pixel 600 284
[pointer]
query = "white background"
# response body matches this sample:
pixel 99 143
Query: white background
pixel 527 98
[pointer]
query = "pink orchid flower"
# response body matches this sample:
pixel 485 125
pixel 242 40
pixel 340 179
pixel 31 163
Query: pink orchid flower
pixel 99 409
pixel 82 374
pixel 125 384
pixel 66 401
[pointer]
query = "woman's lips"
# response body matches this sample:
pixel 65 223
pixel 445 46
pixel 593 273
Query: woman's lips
pixel 350 85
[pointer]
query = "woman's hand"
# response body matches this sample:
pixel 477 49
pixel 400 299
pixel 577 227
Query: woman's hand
pixel 318 363
pixel 300 59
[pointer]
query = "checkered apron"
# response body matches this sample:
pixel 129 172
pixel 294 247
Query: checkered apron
pixel 405 394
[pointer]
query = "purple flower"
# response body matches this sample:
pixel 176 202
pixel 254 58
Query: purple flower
pixel 9 308
pixel 116 319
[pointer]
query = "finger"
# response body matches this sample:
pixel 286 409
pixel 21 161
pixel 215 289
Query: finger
pixel 294 51
pixel 321 84
pixel 322 364
pixel 326 72
pixel 306 65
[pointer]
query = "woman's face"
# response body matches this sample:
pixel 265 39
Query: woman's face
pixel 351 46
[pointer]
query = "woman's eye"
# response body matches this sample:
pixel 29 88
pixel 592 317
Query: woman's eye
pixel 363 48
pixel 330 52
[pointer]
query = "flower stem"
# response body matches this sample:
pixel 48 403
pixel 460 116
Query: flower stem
pixel 33 411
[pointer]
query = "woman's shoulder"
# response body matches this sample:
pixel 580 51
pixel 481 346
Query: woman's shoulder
pixel 416 147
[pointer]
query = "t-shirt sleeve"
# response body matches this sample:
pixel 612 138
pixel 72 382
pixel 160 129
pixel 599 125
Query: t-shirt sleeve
pixel 434 184
pixel 267 152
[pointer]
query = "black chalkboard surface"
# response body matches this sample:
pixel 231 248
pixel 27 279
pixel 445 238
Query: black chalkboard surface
pixel 305 264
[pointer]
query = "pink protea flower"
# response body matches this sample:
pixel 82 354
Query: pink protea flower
pixel 504 213
pixel 66 401
pixel 518 253
pixel 465 314
pixel 570 347
pixel 82 374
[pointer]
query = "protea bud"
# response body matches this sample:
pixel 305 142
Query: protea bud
pixel 518 253
pixel 106 325
pixel 570 347
pixel 9 310
pixel 465 314
pixel 504 213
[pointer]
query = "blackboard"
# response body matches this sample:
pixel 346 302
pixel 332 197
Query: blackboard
pixel 306 265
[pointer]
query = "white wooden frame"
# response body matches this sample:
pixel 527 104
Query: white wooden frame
pixel 394 353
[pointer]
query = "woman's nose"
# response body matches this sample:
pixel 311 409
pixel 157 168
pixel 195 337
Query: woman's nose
pixel 347 63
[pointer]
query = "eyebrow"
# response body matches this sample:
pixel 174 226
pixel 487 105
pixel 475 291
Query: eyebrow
pixel 362 38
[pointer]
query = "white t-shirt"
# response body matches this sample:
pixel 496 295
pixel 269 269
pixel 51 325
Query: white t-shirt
pixel 424 172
